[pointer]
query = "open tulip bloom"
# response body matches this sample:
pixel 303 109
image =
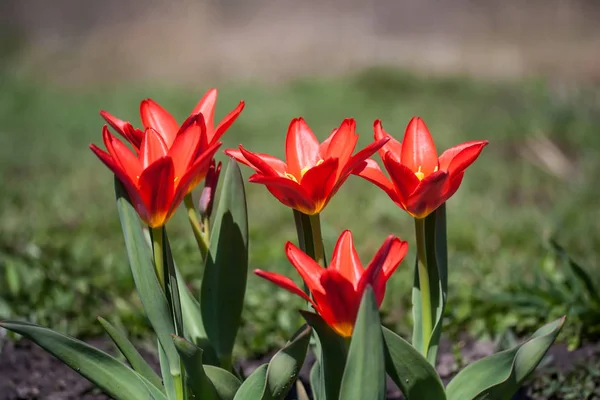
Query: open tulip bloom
pixel 313 172
pixel 353 352
pixel 337 290
pixel 420 180
pixel 159 176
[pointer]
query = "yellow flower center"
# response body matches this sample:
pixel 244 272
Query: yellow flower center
pixel 302 172
pixel 420 175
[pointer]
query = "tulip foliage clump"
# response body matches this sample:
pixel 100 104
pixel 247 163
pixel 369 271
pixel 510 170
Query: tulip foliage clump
pixel 157 167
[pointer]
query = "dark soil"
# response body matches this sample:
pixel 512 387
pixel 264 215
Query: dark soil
pixel 27 372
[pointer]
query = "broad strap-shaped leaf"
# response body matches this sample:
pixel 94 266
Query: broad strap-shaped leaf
pixel 226 268
pixel 225 383
pixel 254 386
pixel 197 381
pixel 285 365
pixel 364 374
pixel 499 376
pixel 414 375
pixel 326 376
pixel 109 374
pixel 147 285
pixel 134 358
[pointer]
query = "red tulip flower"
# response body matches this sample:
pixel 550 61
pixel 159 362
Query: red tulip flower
pixel 157 118
pixel 313 172
pixel 337 290
pixel 420 181
pixel 159 176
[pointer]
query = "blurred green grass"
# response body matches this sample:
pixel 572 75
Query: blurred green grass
pixel 62 252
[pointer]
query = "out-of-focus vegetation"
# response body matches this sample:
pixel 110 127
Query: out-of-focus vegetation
pixel 62 256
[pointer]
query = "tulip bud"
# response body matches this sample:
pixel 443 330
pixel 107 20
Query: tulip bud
pixel 207 197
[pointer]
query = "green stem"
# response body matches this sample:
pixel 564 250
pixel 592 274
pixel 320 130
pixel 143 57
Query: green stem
pixel 179 386
pixel 308 228
pixel 157 247
pixel 200 234
pixel 424 285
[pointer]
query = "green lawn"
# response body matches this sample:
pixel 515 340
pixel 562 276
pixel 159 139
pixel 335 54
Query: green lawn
pixel 63 256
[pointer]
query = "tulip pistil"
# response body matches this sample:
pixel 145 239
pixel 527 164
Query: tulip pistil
pixel 420 174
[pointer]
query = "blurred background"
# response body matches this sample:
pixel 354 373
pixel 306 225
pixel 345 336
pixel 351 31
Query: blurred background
pixel 524 75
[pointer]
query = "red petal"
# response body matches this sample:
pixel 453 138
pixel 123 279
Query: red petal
pixel 319 181
pixel 404 180
pixel 121 154
pixel 153 147
pixel 418 148
pixel 273 162
pixel 456 159
pixel 287 191
pixel 393 259
pixel 309 269
pixel 157 189
pixel 452 185
pixel 301 147
pixel 130 185
pixel 393 146
pixel 227 122
pixel 357 159
pixel 345 259
pixel 159 119
pixel 339 305
pixel 206 106
pixel 370 171
pixel 264 163
pixel 341 143
pixel 195 173
pixel 428 196
pixel 285 283
pixel 186 144
pixel 124 128
pixel 374 270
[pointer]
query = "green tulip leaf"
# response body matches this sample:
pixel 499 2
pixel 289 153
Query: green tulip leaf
pixel 331 353
pixel 147 285
pixel 226 268
pixel 285 365
pixel 253 387
pixel 225 383
pixel 191 356
pixel 134 358
pixel 414 375
pixel 499 376
pixel 364 374
pixel 109 374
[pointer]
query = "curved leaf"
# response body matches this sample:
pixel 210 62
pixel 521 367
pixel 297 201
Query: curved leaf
pixel 224 382
pixel 226 269
pixel 499 376
pixel 147 285
pixel 134 358
pixel 197 381
pixel 109 374
pixel 253 387
pixel 285 365
pixel 364 375
pixel 414 375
